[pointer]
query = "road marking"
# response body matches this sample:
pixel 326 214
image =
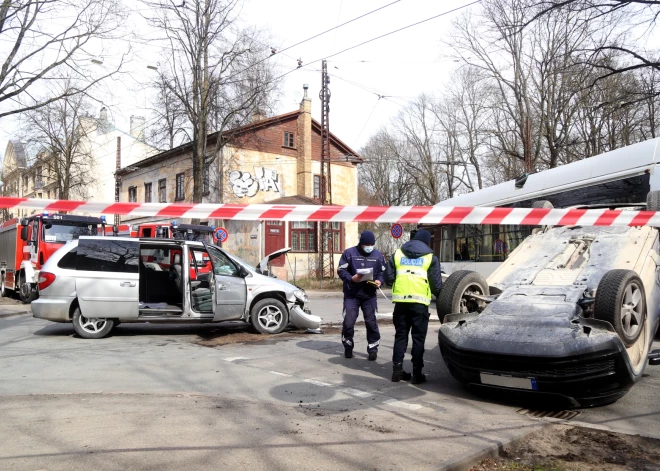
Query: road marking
pixel 281 374
pixel 403 405
pixel 317 383
pixel 355 392
pixel 234 358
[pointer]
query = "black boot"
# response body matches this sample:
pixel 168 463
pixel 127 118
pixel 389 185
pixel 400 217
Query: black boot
pixel 348 352
pixel 418 377
pixel 399 374
pixel 373 356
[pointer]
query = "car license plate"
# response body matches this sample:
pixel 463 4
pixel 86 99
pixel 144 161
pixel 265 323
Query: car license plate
pixel 509 381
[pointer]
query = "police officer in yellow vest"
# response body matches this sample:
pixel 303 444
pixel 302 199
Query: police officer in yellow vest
pixel 414 273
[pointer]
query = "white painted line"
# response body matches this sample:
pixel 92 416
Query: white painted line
pixel 355 392
pixel 318 383
pixel 234 358
pixel 387 315
pixel 403 405
pixel 281 374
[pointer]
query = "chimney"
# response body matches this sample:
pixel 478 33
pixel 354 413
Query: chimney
pixel 137 127
pixel 103 116
pixel 304 164
pixel 258 116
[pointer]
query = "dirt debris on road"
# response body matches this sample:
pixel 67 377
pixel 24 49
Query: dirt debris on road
pixel 230 335
pixel 569 448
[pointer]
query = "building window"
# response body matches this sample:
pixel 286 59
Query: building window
pixel 25 184
pixel 40 195
pixel 180 190
pixel 132 194
pixel 303 236
pixel 162 190
pixel 147 192
pixel 40 175
pixel 334 236
pixel 317 186
pixel 289 140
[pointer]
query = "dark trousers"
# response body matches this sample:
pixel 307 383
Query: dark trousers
pixel 352 308
pixel 407 317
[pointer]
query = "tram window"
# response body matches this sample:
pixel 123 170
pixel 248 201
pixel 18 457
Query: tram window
pixel 488 243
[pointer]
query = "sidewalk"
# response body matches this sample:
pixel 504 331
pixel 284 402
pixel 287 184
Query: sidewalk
pixel 10 310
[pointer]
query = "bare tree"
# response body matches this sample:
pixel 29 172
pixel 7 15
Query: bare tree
pixel 639 14
pixel 169 128
pixel 59 130
pixel 212 64
pixel 42 38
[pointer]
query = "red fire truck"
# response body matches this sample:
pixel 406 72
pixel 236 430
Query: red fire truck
pixel 174 230
pixel 25 246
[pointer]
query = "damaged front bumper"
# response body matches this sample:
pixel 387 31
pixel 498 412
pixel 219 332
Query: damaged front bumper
pixel 303 319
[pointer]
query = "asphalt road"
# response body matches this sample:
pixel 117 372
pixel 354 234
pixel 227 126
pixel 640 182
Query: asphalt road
pixel 151 397
pixel 329 305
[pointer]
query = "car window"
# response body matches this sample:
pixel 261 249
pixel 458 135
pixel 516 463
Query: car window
pixel 68 262
pixel 222 265
pixel 108 255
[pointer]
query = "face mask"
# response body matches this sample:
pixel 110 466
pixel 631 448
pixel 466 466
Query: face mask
pixel 368 248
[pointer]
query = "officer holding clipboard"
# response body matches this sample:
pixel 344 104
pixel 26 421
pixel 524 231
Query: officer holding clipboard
pixel 362 270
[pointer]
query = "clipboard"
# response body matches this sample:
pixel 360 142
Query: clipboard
pixel 367 273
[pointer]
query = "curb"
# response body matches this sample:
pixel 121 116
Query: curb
pixel 12 314
pixel 465 461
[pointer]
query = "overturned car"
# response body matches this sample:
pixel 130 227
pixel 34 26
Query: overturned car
pixel 568 318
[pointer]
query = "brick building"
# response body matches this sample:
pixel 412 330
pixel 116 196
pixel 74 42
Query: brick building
pixel 274 160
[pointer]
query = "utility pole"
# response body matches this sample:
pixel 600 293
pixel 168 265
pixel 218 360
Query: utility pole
pixel 326 249
pixel 117 177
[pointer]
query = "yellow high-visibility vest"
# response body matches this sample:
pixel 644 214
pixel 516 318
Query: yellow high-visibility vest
pixel 412 282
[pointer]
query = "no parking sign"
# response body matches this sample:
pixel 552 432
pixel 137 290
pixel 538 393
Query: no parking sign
pixel 396 231
pixel 221 234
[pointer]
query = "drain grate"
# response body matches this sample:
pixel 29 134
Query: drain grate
pixel 550 414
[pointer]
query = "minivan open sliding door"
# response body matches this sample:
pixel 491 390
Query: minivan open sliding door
pixel 228 289
pixel 107 279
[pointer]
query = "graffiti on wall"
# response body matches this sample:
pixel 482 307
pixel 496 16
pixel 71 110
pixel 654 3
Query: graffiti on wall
pixel 245 184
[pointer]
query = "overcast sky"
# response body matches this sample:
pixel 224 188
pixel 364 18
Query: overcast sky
pixel 399 66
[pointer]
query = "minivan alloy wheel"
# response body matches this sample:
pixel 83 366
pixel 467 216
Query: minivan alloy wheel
pixel 270 316
pixel 91 325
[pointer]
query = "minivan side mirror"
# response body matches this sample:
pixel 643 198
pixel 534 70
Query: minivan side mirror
pixel 24 233
pixel 242 271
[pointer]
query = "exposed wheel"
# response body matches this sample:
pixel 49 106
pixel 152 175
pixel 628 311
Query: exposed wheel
pixel 25 291
pixel 542 204
pixel 653 201
pixel 3 287
pixel 455 293
pixel 269 316
pixel 621 301
pixel 91 328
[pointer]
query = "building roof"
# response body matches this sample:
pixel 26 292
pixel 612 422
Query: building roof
pixel 228 134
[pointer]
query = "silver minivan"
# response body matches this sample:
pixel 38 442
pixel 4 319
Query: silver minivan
pixel 100 282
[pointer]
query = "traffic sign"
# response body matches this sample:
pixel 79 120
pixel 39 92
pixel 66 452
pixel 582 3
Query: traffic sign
pixel 221 234
pixel 396 231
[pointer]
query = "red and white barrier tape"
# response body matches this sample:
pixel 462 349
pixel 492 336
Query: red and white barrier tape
pixel 388 214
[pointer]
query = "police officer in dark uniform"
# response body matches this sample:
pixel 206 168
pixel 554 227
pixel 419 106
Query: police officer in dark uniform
pixel 360 294
pixel 414 273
